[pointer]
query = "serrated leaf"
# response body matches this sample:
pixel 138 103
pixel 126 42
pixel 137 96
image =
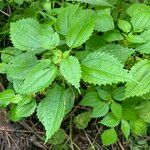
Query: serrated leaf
pixel 66 18
pixel 40 77
pixel 77 36
pixel 96 2
pixel 100 68
pixel 125 127
pixel 82 120
pixel 143 111
pixel 51 110
pixel 116 109
pixel 100 110
pixel 120 52
pixel 21 65
pixel 70 69
pixel 112 36
pixel 135 38
pixel 110 121
pixel 124 25
pixel 25 108
pixel 28 35
pixel 144 48
pixel 58 138
pixel 140 72
pixel 70 99
pixel 139 127
pixel 142 20
pixel 103 21
pixel 109 137
pixel 90 99
pixel 6 97
pixel 119 94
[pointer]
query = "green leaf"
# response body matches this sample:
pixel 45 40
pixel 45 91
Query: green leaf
pixel 9 53
pixel 51 110
pixel 120 52
pixel 103 21
pixel 110 121
pixel 25 108
pixel 119 94
pixel 100 68
pixel 143 111
pixel 125 127
pixel 66 18
pixel 70 69
pixel 28 35
pixel 116 109
pixel 6 97
pixel 90 99
pixel 140 72
pixel 139 127
pixel 100 110
pixel 135 38
pixel 144 48
pixel 124 25
pixel 20 66
pixel 70 99
pixel 82 120
pixel 40 77
pixel 58 138
pixel 112 36
pixel 96 2
pixel 142 20
pixel 104 94
pixel 77 36
pixel 109 137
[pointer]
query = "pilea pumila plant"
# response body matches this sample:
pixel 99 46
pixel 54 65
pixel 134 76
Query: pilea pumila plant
pixel 94 53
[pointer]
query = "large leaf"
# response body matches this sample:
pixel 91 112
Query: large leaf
pixel 28 35
pixel 109 136
pixel 142 20
pixel 21 65
pixel 39 78
pixel 70 69
pixel 116 110
pixel 81 30
pixel 51 110
pixel 141 73
pixel 100 68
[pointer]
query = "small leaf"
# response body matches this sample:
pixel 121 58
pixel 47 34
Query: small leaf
pixel 58 138
pixel 25 108
pixel 125 127
pixel 100 110
pixel 109 137
pixel 110 121
pixel 119 94
pixel 82 120
pixel 116 110
pixel 139 127
pixel 70 69
pixel 6 97
pixel 51 110
pixel 124 25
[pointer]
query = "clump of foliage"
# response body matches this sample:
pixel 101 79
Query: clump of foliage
pixel 91 52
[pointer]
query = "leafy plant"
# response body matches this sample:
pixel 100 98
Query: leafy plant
pixel 80 49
